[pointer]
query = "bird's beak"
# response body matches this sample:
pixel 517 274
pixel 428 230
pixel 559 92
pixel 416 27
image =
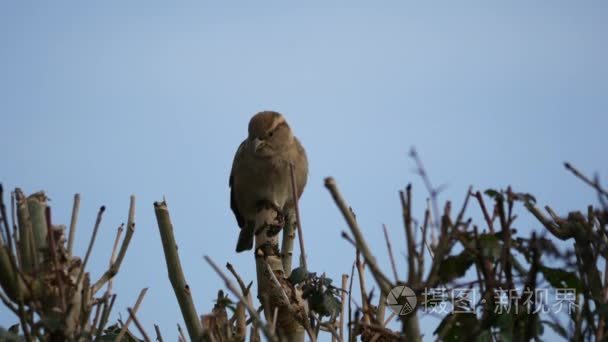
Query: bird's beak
pixel 257 144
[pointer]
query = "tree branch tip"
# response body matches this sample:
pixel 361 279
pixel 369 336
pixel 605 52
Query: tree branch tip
pixel 412 152
pixel 160 205
pixel 329 182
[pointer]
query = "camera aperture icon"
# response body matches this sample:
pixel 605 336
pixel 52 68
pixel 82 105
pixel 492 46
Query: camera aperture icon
pixel 401 300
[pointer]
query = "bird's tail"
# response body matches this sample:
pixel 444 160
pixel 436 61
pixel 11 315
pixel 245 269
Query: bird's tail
pixel 245 239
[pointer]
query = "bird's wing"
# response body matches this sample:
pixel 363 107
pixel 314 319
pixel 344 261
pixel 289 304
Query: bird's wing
pixel 239 218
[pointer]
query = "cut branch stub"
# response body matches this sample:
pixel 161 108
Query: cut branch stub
pixel 176 275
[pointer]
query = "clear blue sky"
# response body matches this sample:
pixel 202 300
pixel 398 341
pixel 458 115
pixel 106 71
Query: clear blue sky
pixel 115 98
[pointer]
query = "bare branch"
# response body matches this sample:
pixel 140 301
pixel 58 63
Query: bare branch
pixel 132 312
pixel 384 283
pixel 159 336
pixel 594 184
pixel 409 233
pixel 244 288
pixel 390 253
pixel 176 275
pixel 140 327
pixel 298 218
pixel 342 303
pixel 91 242
pixel 73 221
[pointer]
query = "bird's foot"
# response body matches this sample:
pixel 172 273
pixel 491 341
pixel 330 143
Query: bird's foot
pixel 281 217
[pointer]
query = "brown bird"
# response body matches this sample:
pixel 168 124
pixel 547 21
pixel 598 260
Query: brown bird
pixel 261 173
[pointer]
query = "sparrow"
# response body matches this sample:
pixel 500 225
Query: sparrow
pixel 261 175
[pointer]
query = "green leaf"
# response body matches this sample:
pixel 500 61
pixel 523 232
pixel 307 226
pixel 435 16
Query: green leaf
pixel 561 279
pixel 455 266
pixel 491 248
pixel 485 336
pixel 324 303
pixel 298 275
pixel 331 305
pixel 315 300
pixel 457 327
pixel 327 281
pixel 493 194
pixel 504 320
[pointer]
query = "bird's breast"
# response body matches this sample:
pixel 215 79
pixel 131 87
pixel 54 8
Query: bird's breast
pixel 264 179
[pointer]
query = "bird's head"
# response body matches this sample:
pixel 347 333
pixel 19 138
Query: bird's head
pixel 269 133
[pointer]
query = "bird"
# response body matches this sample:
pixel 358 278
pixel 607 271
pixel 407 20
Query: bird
pixel 261 173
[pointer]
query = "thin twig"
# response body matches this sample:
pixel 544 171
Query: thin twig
pixel 347 237
pixel 140 327
pixel 239 280
pixel 423 244
pixel 484 210
pixel 22 316
pixel 98 311
pixel 113 256
pixel 140 298
pixel 8 304
pixel 364 299
pixel 406 206
pixel 294 193
pixel 595 184
pixel 381 308
pixel 277 284
pixel 182 337
pixel 91 242
pixel 275 317
pixel 383 281
pixel 389 319
pixel 159 336
pixel 463 209
pixel 429 186
pixel 73 221
pixel 115 267
pixel 252 312
pixel 350 292
pixel 342 303
pixel 390 253
pixel 104 316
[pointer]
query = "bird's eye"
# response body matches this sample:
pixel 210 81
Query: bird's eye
pixel 270 134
